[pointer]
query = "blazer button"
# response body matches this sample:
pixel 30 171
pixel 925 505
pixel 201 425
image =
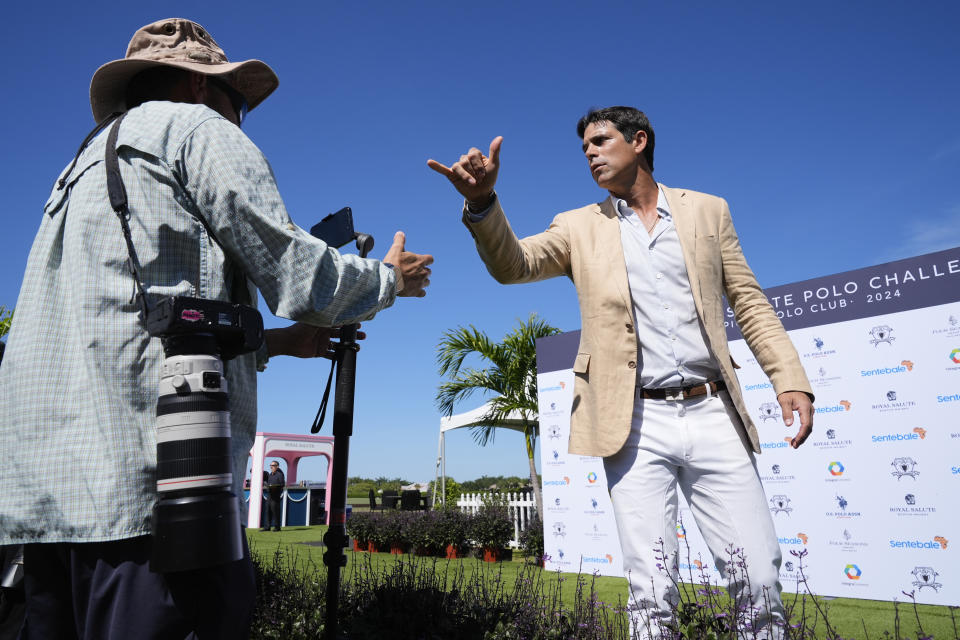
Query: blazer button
pixel 632 364
pixel 629 328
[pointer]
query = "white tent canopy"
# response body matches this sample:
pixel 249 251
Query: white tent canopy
pixel 470 418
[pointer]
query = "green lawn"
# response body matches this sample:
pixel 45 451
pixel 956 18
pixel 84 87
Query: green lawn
pixel 860 619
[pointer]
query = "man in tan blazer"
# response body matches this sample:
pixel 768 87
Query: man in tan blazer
pixel 656 394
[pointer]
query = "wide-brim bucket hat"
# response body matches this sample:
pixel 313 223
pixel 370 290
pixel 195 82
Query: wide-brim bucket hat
pixel 181 43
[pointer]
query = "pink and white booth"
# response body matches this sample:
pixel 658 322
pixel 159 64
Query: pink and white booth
pixel 292 448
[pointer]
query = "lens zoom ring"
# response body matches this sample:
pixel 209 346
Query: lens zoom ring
pixel 199 401
pixel 194 457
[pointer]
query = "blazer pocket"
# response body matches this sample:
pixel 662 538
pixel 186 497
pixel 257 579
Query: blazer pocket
pixel 582 363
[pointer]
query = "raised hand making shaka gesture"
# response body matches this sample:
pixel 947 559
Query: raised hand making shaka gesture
pixel 474 175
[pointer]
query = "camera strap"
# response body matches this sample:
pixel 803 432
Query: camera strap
pixel 322 411
pixel 118 201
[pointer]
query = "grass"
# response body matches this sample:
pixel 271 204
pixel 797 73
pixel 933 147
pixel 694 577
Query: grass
pixel 849 618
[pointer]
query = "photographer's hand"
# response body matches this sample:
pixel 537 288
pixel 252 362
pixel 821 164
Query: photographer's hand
pixel 413 268
pixel 303 341
pixel 474 175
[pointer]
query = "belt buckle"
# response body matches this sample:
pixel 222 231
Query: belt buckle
pixel 675 393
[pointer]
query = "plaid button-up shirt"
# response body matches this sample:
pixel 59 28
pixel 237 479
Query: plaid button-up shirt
pixel 78 383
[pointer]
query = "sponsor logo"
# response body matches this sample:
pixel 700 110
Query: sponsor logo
pixel 591 477
pixel 553 432
pixel 557 506
pixel 775 444
pixel 604 559
pixel 925 577
pixel 852 571
pixel 911 509
pixel 844 511
pixel 831 441
pixel 881 334
pixel 767 385
pixel 556 387
pixel 681 531
pixel 558 483
pixel 835 468
pixel 780 504
pixel 893 403
pixel 840 407
pixel 594 510
pixel 777 475
pixel 905 366
pixel 953 398
pixel 769 411
pixel 904 466
pixel 847 542
pixel 800 538
pixel 559 530
pixel 918 433
pixel 822 379
pixel 821 349
pixel 938 543
pixel 955 356
pixel 951 330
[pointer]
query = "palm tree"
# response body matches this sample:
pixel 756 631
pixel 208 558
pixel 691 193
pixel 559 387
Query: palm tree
pixel 512 376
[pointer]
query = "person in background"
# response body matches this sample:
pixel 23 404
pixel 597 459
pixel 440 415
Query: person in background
pixel 275 483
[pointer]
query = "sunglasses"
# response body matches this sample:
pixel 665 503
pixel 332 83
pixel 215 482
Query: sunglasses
pixel 236 98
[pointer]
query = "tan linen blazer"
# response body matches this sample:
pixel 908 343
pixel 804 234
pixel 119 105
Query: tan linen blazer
pixel 584 245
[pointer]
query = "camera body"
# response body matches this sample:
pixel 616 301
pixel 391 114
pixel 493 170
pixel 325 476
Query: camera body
pixel 196 522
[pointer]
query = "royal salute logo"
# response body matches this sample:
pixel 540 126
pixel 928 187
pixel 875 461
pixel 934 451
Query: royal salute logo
pixel 904 466
pixel 893 403
pixel 780 504
pixel 831 440
pixel 912 508
pixel 777 475
pixel 925 577
pixel 558 506
pixel 881 335
pixel 769 411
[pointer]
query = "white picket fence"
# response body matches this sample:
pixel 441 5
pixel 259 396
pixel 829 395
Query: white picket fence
pixel 521 506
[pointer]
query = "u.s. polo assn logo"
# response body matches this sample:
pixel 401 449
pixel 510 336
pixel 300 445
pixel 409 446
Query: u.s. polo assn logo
pixel 881 333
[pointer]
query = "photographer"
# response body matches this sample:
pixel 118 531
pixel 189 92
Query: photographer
pixel 79 382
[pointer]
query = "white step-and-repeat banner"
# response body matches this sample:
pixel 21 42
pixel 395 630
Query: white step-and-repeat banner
pixel 871 495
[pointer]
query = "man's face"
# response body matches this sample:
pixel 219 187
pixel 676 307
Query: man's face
pixel 273 467
pixel 613 161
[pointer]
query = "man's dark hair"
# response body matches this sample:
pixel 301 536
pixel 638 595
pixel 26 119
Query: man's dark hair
pixel 627 120
pixel 156 83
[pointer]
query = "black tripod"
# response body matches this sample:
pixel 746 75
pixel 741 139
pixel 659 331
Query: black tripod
pixel 345 364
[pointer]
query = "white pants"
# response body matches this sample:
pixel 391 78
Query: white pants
pixel 694 444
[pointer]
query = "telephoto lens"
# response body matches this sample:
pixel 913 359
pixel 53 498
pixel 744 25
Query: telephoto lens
pixel 196 522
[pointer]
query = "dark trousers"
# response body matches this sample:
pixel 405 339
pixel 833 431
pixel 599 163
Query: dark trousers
pixel 105 590
pixel 274 512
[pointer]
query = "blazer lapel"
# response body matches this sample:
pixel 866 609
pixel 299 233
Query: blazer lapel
pixel 609 236
pixel 686 223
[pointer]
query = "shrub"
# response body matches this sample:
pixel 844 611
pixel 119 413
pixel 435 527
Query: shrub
pixel 424 532
pixel 491 527
pixel 531 539
pixel 453 528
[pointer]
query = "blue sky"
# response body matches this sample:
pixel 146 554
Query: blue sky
pixel 829 127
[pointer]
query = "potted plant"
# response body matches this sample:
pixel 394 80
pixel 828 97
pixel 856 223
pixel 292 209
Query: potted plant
pixel 396 527
pixel 531 541
pixel 358 528
pixel 424 533
pixel 491 529
pixel 452 532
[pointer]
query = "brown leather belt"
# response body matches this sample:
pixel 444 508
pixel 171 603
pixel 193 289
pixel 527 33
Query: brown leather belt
pixel 682 393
